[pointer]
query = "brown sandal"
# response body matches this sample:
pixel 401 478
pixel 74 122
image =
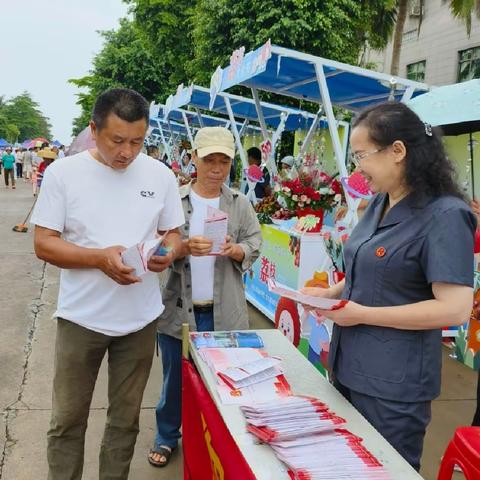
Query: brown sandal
pixel 163 451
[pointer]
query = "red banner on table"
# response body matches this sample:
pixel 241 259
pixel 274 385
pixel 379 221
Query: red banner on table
pixel 209 451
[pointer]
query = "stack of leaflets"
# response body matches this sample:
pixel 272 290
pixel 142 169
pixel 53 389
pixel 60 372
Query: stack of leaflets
pixel 226 340
pixel 251 373
pixel 310 440
pixel 290 418
pixel 260 378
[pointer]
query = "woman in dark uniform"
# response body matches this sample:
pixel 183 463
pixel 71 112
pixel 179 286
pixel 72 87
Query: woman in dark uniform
pixel 409 272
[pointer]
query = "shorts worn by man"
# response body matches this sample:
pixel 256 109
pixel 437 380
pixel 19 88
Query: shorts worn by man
pixel 91 206
pixel 203 290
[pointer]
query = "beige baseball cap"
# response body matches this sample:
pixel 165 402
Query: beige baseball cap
pixel 214 140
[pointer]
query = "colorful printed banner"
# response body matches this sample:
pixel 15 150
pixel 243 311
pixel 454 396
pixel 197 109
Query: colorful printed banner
pixel 467 343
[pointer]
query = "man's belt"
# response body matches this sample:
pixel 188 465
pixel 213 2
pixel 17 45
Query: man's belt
pixel 203 307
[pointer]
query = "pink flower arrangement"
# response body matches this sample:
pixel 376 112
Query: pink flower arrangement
pixel 309 191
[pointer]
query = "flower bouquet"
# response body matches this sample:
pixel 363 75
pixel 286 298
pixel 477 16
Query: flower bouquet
pixel 310 194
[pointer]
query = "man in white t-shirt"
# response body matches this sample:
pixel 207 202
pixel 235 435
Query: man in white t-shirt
pixel 91 207
pixel 204 290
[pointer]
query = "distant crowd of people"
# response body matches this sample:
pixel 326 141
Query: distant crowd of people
pixel 28 164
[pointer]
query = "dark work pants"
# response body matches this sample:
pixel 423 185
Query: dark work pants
pixel 19 167
pixel 78 355
pixel 402 424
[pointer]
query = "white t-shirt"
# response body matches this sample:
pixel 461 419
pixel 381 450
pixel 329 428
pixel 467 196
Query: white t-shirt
pixel 202 268
pixel 94 206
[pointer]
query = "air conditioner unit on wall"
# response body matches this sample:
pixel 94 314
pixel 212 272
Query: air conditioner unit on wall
pixel 416 9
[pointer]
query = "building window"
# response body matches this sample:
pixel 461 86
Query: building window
pixel 416 71
pixel 410 35
pixel 469 64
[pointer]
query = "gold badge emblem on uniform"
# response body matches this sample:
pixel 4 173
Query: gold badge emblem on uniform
pixel 380 252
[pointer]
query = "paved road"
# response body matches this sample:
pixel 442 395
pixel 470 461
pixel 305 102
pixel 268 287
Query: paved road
pixel 28 291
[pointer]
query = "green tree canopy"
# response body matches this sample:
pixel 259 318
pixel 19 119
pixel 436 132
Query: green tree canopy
pixel 169 42
pixel 21 119
pixel 334 29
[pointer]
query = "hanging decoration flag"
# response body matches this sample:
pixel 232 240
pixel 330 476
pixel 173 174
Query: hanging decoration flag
pixel 266 149
pixel 254 174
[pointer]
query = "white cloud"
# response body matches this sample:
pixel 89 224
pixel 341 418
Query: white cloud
pixel 49 42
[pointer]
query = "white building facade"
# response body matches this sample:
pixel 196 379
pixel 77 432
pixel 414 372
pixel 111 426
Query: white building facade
pixel 441 53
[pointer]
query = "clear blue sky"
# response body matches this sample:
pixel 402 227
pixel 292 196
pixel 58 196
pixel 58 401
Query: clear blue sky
pixel 46 42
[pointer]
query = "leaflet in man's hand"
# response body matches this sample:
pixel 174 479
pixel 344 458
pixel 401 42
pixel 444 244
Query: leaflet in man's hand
pixel 137 257
pixel 310 300
pixel 215 228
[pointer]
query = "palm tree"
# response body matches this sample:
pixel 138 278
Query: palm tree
pixel 464 10
pixel 390 21
pixel 402 11
pixel 394 15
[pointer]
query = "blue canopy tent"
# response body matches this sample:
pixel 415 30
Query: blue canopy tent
pixel 166 132
pixel 56 143
pixel 242 107
pixel 268 115
pixel 4 143
pixel 193 119
pixel 307 77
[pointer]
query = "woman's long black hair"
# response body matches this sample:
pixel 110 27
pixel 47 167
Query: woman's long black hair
pixel 427 167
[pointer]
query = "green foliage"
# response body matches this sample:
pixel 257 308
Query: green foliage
pixel 334 29
pixel 21 119
pixel 464 10
pixel 165 27
pixel 169 42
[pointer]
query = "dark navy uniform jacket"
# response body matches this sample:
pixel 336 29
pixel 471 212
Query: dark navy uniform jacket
pixel 394 261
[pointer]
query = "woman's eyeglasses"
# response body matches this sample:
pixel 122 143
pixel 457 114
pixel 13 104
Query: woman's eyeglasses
pixel 357 157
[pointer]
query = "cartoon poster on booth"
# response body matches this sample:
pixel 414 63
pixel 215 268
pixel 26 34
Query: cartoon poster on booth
pixel 467 342
pixel 309 333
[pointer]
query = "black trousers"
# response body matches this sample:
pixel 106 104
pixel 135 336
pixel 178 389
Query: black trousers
pixel 402 424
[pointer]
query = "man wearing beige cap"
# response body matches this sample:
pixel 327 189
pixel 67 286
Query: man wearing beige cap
pixel 203 290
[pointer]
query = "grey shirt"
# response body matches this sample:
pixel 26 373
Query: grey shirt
pixel 230 307
pixel 394 261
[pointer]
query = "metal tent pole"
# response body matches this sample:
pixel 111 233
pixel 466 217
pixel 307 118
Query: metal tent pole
pixel 332 126
pixel 241 151
pixel 187 126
